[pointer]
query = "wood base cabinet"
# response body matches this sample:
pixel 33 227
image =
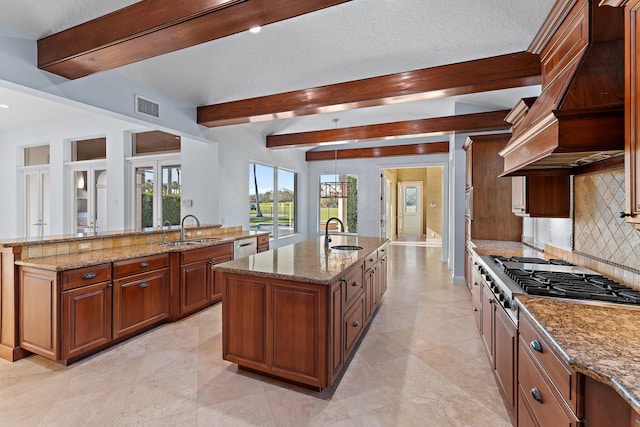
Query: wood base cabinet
pixel 299 332
pixel 632 113
pixel 197 288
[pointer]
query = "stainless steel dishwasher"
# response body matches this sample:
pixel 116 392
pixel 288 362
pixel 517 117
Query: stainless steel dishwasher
pixel 245 247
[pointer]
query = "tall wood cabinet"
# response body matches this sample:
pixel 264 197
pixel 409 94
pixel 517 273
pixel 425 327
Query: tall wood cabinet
pixel 632 112
pixel 488 197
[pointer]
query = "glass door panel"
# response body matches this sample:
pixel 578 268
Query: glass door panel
pixel 144 197
pixel 171 193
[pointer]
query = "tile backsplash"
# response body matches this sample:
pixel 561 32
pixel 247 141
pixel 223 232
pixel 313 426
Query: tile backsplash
pixel 602 241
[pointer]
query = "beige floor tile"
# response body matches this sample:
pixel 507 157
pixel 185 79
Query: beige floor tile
pixel 422 363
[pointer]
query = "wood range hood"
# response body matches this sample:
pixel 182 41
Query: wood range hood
pixel 579 116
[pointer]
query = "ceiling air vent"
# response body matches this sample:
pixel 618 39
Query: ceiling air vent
pixel 147 107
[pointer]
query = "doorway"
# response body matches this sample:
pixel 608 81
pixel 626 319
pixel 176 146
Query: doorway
pixel 410 210
pixel 412 205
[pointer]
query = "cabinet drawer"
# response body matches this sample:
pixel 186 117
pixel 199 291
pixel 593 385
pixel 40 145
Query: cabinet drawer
pixel 353 284
pixel 353 324
pixel 139 265
pixel 382 251
pixel 72 279
pixel 536 393
pixel 539 349
pixel 370 260
pixel 263 240
pixel 194 255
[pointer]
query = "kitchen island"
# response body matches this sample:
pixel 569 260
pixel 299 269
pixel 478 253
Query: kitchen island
pixel 296 313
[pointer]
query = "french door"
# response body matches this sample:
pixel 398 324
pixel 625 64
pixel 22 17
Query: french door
pixel 89 190
pixel 37 202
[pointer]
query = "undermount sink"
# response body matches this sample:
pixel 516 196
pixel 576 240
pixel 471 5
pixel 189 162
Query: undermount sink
pixel 346 247
pixel 205 240
pixel 180 243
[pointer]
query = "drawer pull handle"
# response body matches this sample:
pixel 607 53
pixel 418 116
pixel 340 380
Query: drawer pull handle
pixel 144 284
pixel 475 309
pixel 535 393
pixel 144 264
pixel 89 275
pixel 110 285
pixel 535 344
pixel 370 259
pixel 355 283
pixel 356 324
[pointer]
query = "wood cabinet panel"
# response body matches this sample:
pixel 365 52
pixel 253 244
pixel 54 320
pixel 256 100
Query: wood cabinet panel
pixel 210 252
pixel 488 196
pixel 353 283
pixel 140 301
pixel 299 332
pixel 632 113
pixel 263 243
pixel 194 286
pixel 86 319
pixel 245 329
pixel 336 349
pixel 353 324
pixel 86 276
pixel 39 312
pixel 563 378
pixel 487 303
pixel 139 265
pixel 546 409
pixel 506 354
pixel 545 196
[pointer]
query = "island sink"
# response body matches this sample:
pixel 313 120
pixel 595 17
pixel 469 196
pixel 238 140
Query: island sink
pixel 346 247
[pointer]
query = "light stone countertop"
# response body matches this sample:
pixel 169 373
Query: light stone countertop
pixel 306 261
pixel 599 340
pixel 88 258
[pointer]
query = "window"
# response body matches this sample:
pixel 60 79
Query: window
pixel 88 171
pixel 157 181
pixel 270 210
pixel 337 203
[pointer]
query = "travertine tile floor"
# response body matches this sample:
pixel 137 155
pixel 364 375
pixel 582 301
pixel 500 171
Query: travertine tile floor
pixel 421 364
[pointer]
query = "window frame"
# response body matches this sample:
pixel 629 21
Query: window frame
pixel 275 234
pixel 319 200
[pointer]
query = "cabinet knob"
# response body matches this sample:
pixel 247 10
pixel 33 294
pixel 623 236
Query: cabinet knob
pixel 535 393
pixel 624 214
pixel 535 344
pixel 144 284
pixel 89 275
pixel 356 324
pixel 475 309
pixel 144 264
pixel 110 285
pixel 355 283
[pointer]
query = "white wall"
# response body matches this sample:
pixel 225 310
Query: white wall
pixel 199 164
pixel 240 145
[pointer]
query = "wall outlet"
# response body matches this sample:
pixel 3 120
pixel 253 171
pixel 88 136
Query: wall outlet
pixel 83 246
pixel 198 233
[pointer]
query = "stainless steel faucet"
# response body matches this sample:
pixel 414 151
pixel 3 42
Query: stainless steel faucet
pixel 182 224
pixel 327 238
pixel 165 236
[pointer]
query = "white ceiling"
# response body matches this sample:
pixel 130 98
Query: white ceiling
pixel 359 39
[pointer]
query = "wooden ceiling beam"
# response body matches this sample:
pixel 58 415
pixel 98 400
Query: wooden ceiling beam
pixel 464 123
pixel 151 28
pixel 440 147
pixel 494 73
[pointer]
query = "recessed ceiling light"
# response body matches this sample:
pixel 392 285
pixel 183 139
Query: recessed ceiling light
pixel 5 106
pixel 255 30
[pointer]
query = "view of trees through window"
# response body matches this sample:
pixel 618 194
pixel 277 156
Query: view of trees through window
pixel 169 208
pixel 271 210
pixel 342 206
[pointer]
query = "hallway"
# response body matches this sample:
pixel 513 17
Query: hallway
pixel 421 363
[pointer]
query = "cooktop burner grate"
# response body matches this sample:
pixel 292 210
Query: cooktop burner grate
pixel 562 284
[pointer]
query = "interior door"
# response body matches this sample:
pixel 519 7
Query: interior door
pixel 410 208
pixel 37 202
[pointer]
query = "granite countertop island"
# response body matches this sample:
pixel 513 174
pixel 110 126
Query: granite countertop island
pixel 598 340
pixel 309 261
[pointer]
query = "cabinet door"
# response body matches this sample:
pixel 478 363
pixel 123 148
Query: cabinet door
pixel 369 298
pixel 194 286
pixel 506 346
pixel 140 301
pixel 487 326
pixel 519 195
pixel 39 327
pixel 382 276
pixel 216 288
pixel 632 112
pixel 86 319
pixel 476 297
